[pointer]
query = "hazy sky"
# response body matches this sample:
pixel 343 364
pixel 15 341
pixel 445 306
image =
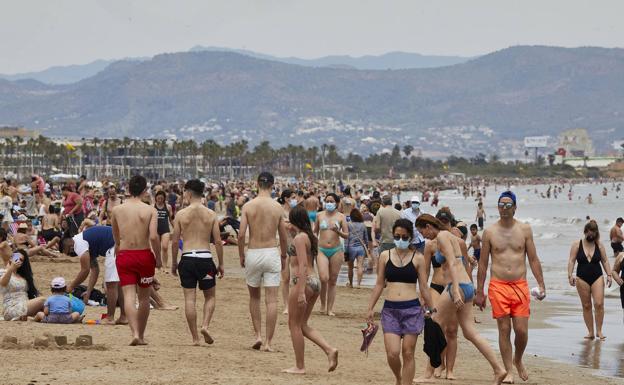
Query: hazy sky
pixel 36 34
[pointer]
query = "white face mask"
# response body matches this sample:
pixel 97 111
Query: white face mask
pixel 293 203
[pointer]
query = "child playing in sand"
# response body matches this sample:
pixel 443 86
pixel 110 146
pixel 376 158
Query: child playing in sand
pixel 58 308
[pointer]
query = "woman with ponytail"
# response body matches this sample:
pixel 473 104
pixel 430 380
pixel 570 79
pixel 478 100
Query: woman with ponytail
pixel 304 293
pixel 590 253
pixel 456 300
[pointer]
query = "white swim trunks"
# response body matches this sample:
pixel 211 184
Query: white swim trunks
pixel 110 268
pixel 263 267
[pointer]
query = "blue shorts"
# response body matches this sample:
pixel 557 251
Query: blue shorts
pixel 355 251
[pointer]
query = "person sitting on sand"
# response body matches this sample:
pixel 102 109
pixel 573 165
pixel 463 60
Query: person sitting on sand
pixel 590 254
pixel 305 291
pixel 24 241
pixel 198 226
pixel 20 297
pixel 57 309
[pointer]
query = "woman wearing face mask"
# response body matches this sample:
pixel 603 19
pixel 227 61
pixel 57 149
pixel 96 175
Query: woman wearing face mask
pixel 288 200
pixel 402 316
pixel 330 226
pixel 455 303
pixel 590 253
pixel 19 294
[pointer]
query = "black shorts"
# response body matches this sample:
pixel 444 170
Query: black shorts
pixel 617 248
pixel 50 234
pixel 195 271
pixel 480 223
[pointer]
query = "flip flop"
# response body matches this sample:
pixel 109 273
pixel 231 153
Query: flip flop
pixel 367 337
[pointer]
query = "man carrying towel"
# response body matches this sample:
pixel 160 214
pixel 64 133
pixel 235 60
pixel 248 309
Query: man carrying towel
pixel 510 243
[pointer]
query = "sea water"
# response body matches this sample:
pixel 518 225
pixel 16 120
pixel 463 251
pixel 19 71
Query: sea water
pixel 556 224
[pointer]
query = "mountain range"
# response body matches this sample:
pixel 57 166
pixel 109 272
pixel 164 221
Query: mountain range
pixel 392 60
pixel 486 104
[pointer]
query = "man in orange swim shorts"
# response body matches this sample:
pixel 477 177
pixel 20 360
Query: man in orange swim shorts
pixel 510 243
pixel 136 234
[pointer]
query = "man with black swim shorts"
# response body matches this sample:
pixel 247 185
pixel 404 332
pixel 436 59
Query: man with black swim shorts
pixel 198 226
pixel 616 237
pixel 136 235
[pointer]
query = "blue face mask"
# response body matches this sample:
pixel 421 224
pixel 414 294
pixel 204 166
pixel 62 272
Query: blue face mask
pixel 401 244
pixel 415 206
pixel 293 203
pixel 330 206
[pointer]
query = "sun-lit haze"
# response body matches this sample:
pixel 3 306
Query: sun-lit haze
pixel 39 34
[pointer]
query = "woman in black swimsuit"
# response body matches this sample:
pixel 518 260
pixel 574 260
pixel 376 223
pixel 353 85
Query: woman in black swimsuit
pixel 590 253
pixel 164 219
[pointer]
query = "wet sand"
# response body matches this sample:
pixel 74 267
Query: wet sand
pixel 170 359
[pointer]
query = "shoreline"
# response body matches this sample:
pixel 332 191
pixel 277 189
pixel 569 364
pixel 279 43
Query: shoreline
pixel 170 358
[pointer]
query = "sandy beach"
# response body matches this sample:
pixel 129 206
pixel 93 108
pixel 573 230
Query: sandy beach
pixel 170 359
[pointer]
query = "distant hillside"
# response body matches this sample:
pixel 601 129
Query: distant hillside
pixel 62 74
pixel 391 60
pixel 486 104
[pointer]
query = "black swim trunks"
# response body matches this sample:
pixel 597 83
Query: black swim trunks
pixel 617 247
pixel 197 269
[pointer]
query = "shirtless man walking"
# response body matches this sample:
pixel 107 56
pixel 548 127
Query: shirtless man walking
pixel 198 226
pixel 262 262
pixel 135 232
pixel 616 237
pixel 510 243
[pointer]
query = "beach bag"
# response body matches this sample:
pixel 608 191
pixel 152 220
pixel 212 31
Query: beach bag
pixel 77 304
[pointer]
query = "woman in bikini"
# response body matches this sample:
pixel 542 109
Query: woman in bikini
pixel 330 226
pixel 590 253
pixel 402 317
pixel 304 293
pixel 288 200
pixel 455 303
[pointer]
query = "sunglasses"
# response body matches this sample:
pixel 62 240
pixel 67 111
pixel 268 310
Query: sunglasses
pixel 404 237
pixel 505 205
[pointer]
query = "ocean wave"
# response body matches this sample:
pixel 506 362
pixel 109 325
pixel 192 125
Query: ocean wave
pixel 547 235
pixel 552 222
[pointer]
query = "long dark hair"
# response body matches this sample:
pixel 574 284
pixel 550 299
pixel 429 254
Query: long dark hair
pixel 593 227
pixel 285 195
pixel 25 271
pixel 298 216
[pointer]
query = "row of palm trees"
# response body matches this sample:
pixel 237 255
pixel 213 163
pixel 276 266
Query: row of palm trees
pixel 158 158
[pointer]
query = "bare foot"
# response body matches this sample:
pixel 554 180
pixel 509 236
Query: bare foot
pixel 331 314
pixel 107 321
pixel 521 370
pixel 294 370
pixel 267 348
pixel 589 337
pixel 257 345
pixel 333 360
pixel 602 337
pixel 121 321
pixel 437 372
pixel 135 341
pixel 500 376
pixel 507 378
pixel 450 376
pixel 196 343
pixel 207 338
pixel 142 342
pixel 323 311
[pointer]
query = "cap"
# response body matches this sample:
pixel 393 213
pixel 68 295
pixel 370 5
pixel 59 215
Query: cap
pixel 58 283
pixel 415 199
pixel 365 197
pixel 508 194
pixel 22 225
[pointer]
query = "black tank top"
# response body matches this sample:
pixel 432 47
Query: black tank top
pixel 163 220
pixel 405 274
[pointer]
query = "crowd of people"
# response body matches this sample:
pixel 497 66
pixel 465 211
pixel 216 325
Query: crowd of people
pixel 296 236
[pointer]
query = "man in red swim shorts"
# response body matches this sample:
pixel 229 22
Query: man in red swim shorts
pixel 510 243
pixel 135 232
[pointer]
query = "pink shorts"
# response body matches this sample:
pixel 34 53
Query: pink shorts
pixel 136 267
